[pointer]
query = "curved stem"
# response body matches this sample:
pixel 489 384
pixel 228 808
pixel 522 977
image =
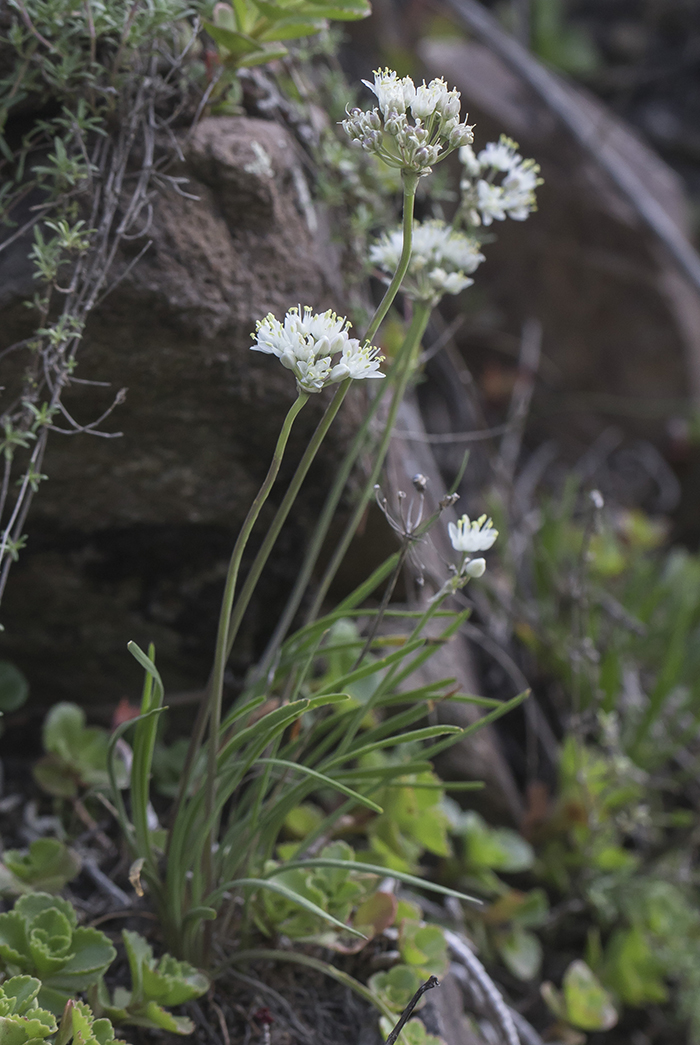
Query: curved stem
pixel 283 511
pixel 216 686
pixel 410 182
pixel 414 337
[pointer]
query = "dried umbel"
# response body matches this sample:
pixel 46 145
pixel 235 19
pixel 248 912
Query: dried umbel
pixel 305 343
pixel 442 260
pixel 412 127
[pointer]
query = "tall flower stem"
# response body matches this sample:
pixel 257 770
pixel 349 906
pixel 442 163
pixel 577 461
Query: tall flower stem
pixel 283 511
pixel 409 350
pixel 410 182
pixel 216 685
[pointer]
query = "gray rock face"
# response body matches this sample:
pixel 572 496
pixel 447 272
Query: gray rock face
pixel 130 537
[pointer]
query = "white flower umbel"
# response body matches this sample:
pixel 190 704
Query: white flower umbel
pixel 497 183
pixel 468 536
pixel 432 132
pixel 442 260
pixel 306 342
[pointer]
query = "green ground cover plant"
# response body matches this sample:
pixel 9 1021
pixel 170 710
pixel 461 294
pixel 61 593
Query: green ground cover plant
pixel 611 627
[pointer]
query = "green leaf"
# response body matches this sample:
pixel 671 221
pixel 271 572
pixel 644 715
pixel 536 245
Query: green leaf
pixel 51 776
pixel 409 879
pixel 396 987
pixel 376 914
pixel 633 968
pixel 14 688
pixel 341 10
pixel 154 985
pixel 270 54
pixel 14 941
pixel 21 991
pixel 231 39
pixel 79 1023
pixel 293 895
pixel 423 946
pixel 76 753
pixel 521 952
pixel 290 29
pixel 588 1004
pixel 40 937
pixel 498 848
pixel 327 781
pixel 47 866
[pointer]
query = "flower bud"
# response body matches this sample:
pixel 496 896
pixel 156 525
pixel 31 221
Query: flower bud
pixel 392 123
pixel 474 568
pixel 461 135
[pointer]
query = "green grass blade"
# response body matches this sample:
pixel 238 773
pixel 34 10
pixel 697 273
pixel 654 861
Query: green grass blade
pixel 413 736
pixel 214 899
pixel 323 779
pixel 382 872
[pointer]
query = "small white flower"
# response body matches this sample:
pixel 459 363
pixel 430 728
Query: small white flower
pixel 357 361
pixel 393 94
pixel 490 202
pixel 425 102
pixel 476 536
pixel 442 259
pixel 449 282
pixel 306 342
pixel 312 377
pixel 501 156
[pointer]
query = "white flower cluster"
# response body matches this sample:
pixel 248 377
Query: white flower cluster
pixel 306 342
pixel 442 260
pixel 413 145
pixel 484 199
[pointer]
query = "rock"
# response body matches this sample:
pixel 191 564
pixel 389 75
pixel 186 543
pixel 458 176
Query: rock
pixel 130 537
pixel 621 324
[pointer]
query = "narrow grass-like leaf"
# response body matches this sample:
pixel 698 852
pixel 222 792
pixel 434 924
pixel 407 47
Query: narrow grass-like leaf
pixel 326 781
pixel 503 709
pixel 214 899
pixel 404 738
pixel 237 712
pixel 380 772
pixel 144 745
pixel 378 665
pixel 382 872
pixel 364 590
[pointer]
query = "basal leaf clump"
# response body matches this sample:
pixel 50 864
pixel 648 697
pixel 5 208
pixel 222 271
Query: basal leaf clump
pixel 22 1021
pixel 154 984
pixel 40 936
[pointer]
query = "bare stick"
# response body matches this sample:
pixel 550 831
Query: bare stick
pixel 405 1015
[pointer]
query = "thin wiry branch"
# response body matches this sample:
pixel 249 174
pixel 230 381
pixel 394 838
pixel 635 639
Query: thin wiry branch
pixel 114 214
